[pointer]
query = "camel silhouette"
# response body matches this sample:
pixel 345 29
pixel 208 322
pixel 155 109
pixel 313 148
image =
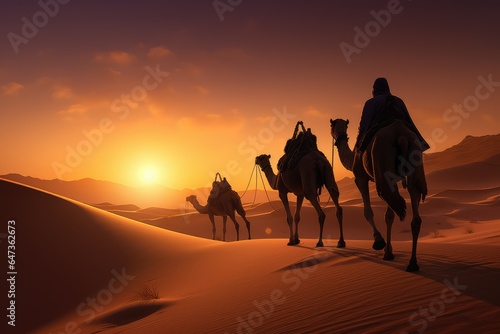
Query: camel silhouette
pixel 225 205
pixel 304 179
pixel 379 163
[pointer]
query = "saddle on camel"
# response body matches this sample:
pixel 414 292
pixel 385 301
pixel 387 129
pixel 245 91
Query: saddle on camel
pixel 301 143
pixel 218 188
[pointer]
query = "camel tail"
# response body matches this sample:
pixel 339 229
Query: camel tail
pixel 328 180
pixel 415 168
pixel 402 143
pixel 236 198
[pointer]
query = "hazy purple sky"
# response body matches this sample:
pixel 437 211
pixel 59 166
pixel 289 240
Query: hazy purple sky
pixel 215 107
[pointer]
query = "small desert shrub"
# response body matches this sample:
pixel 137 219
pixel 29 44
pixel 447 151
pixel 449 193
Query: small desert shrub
pixel 146 293
pixel 469 230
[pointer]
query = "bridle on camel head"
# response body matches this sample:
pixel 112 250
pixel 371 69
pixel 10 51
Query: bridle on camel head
pixel 341 136
pixel 265 167
pixel 275 185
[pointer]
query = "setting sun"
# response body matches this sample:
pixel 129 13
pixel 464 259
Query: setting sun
pixel 149 175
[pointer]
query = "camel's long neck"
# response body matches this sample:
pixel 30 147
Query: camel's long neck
pixel 346 155
pixel 270 176
pixel 200 208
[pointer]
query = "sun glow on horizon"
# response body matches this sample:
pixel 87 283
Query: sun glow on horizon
pixel 149 175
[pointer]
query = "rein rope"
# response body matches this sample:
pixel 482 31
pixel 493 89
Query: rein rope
pixel 256 168
pixel 335 142
pixel 329 196
pixel 265 189
pixel 248 185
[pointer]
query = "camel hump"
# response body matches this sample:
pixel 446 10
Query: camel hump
pixel 218 188
pixel 297 147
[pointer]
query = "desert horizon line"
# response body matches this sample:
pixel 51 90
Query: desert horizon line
pixel 208 182
pixel 151 186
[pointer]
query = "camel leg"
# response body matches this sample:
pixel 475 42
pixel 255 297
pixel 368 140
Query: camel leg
pixel 387 188
pixel 389 219
pixel 300 200
pixel 392 198
pixel 211 217
pixel 224 221
pixel 289 219
pixel 340 217
pixel 362 184
pixel 242 213
pixel 333 190
pixel 386 176
pixel 415 196
pixel 321 217
pixel 236 226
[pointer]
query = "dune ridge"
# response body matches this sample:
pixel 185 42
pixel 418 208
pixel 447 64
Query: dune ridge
pixel 247 286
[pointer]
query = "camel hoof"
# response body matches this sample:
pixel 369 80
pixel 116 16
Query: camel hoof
pixel 341 244
pixel 293 242
pixel 389 257
pixel 320 244
pixel 412 267
pixel 379 244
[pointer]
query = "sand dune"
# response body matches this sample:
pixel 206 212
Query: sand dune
pixel 115 207
pixel 105 193
pixel 71 250
pixel 480 175
pixel 78 254
pixel 469 195
pixel 469 150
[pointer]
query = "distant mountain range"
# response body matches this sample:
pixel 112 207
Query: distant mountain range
pixel 105 193
pixel 474 163
pixel 469 150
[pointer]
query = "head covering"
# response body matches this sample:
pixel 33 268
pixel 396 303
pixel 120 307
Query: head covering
pixel 381 87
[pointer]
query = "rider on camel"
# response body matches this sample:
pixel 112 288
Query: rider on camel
pixel 382 109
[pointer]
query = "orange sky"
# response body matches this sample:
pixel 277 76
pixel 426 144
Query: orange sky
pixel 168 92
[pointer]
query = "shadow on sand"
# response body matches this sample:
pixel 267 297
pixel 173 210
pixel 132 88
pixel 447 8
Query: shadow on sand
pixel 131 313
pixel 435 266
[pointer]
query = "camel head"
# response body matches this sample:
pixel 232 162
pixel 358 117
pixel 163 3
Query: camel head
pixel 339 129
pixel 191 198
pixel 263 161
